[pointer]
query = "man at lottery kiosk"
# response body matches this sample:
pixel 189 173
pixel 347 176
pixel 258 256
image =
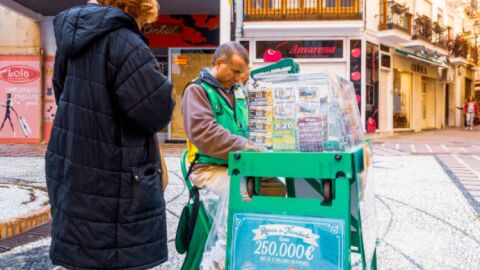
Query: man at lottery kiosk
pixel 215 118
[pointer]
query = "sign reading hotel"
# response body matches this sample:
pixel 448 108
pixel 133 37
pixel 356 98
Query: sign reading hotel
pixel 273 51
pixel 183 31
pixel 20 92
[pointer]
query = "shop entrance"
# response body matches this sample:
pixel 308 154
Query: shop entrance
pixel 468 88
pixel 447 103
pixel 402 100
pixel 185 65
pixel 428 103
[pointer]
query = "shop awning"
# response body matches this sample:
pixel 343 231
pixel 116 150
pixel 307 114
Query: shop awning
pixel 417 57
pixel 35 8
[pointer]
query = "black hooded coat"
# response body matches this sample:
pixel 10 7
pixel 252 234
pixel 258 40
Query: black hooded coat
pixel 111 100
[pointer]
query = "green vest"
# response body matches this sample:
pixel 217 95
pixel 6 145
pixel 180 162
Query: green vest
pixel 233 119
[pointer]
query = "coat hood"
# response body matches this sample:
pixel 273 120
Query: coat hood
pixel 79 27
pixel 206 76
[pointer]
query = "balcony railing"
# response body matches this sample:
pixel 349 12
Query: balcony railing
pixel 423 28
pixel 394 16
pixel 440 36
pixel 461 47
pixel 441 42
pixel 302 10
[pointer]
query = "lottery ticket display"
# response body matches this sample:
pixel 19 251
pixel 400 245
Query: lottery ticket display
pixel 261 114
pixel 313 112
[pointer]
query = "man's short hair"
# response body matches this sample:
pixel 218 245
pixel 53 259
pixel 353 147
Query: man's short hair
pixel 226 50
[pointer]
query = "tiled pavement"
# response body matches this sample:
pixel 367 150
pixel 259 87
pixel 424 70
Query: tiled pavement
pixel 35 255
pixel 38 150
pixel 449 141
pixel 411 215
pixel 440 207
pixel 417 148
pixel 457 151
pixel 465 172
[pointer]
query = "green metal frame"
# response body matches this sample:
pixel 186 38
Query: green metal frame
pixel 341 168
pixel 286 65
pixel 202 227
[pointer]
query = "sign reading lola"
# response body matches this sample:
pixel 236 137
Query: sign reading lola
pixel 18 74
pixel 273 51
pixel 274 242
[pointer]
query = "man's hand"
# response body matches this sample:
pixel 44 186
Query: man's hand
pixel 249 146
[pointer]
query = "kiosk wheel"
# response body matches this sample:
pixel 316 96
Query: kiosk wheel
pixel 327 190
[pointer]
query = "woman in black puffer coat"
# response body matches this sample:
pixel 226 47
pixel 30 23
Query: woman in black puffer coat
pixel 102 162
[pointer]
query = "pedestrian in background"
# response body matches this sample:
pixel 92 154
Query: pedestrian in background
pixel 102 163
pixel 470 110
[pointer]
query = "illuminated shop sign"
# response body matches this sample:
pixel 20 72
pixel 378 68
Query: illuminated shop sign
pixel 273 51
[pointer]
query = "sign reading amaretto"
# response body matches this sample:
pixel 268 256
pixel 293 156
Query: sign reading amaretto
pixel 312 50
pixel 272 51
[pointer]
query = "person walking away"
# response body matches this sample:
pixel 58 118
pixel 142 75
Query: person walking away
pixel 470 110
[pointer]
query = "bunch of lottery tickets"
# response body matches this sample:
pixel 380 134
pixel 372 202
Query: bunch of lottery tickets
pixel 260 115
pixel 304 112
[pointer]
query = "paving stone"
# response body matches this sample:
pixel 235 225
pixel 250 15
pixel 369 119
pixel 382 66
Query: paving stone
pixel 424 220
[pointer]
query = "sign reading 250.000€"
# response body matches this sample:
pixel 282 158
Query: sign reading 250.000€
pixel 274 242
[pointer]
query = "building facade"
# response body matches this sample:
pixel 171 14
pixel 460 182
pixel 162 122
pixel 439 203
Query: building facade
pixel 411 62
pixel 182 39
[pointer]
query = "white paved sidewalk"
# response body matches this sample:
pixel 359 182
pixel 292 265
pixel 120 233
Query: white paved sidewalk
pixel 424 220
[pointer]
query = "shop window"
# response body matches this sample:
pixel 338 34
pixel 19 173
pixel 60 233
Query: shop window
pixel 386 61
pixel 356 69
pixel 246 45
pixel 372 95
pixel 402 89
pixel 162 64
pixel 384 48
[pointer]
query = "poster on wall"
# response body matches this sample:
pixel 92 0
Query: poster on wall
pixel 49 108
pixel 20 92
pixel 356 69
pixel 183 31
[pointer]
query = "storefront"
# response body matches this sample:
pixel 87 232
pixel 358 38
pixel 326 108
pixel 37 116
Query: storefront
pixel 20 98
pixel 354 59
pixel 183 45
pixel 418 96
pixel 458 91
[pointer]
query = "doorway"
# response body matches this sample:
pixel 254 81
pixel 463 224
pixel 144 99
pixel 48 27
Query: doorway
pixel 468 88
pixel 447 103
pixel 185 65
pixel 428 103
